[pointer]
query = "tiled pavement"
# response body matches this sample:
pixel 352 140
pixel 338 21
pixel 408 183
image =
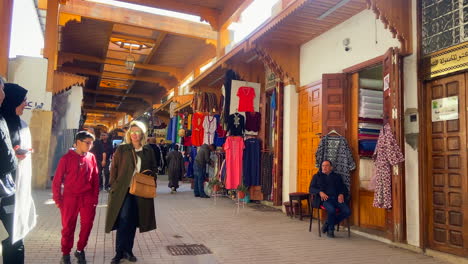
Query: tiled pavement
pixel 251 236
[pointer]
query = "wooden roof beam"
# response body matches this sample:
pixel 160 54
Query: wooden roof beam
pixel 146 20
pixel 103 111
pixel 122 76
pixel 173 71
pixel 205 13
pixel 144 97
pixel 231 12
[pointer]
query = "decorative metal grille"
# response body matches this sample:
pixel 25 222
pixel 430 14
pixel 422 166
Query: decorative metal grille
pixel 188 250
pixel 444 24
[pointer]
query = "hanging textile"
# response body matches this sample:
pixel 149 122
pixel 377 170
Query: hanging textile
pixel 336 150
pixel 209 128
pixel 252 122
pixel 234 148
pixel 251 162
pixel 197 129
pixel 246 99
pixel 386 155
pixel 229 76
pixel 273 108
pixel 220 133
pixel 267 173
pixel 236 124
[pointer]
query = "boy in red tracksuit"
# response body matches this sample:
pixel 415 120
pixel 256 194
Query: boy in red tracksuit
pixel 77 171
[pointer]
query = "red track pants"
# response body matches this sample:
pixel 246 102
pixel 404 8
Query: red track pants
pixel 71 207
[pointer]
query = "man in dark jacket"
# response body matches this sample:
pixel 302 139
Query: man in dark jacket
pixel 328 188
pixel 199 169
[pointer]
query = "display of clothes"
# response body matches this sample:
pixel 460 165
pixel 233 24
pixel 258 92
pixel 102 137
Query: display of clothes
pixel 251 162
pixel 371 103
pixel 197 129
pixel 234 148
pixel 370 119
pixel 205 102
pixel 236 123
pixel 252 122
pixel 246 99
pixel 386 155
pixel 336 149
pixel 209 128
pixel 172 130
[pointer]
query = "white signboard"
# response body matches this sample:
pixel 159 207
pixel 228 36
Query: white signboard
pixel 386 82
pixel 445 109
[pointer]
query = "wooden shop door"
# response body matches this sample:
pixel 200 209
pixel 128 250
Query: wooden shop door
pixel 446 166
pixel 309 127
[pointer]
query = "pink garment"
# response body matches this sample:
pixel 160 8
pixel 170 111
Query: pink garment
pixel 234 148
pixel 387 153
pixel 209 128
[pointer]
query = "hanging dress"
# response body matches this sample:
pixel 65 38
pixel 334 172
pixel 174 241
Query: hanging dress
pixel 234 148
pixel 197 129
pixel 209 128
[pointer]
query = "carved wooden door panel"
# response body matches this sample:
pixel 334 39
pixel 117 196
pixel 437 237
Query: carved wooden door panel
pixel 447 188
pixel 308 138
pixel 333 108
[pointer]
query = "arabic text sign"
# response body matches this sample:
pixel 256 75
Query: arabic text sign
pixel 445 109
pixel 449 60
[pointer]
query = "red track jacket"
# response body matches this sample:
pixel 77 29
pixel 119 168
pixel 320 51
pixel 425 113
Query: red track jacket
pixel 79 175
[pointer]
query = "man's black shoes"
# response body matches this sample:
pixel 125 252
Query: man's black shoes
pixel 331 234
pixel 204 196
pixel 325 227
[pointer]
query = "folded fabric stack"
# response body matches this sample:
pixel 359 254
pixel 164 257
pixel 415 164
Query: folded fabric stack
pixel 368 135
pixel 371 103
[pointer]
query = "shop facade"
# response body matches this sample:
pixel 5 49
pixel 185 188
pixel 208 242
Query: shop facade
pixel 443 127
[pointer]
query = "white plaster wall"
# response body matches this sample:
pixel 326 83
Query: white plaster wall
pixel 411 155
pixel 291 101
pixel 326 54
pixel 31 73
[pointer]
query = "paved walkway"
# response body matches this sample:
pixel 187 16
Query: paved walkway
pixel 251 236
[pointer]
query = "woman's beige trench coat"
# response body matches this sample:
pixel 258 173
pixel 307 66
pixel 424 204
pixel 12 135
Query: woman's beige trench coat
pixel 121 173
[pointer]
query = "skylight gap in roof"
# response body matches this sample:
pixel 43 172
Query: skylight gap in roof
pixel 151 10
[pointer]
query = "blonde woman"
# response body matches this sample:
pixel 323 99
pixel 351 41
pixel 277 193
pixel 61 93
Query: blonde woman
pixel 126 212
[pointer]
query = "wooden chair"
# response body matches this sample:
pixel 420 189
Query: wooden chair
pixel 319 209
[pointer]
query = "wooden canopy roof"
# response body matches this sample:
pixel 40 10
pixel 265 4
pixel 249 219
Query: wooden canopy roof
pixel 96 40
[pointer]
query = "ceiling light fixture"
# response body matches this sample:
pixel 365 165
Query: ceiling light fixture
pixel 130 61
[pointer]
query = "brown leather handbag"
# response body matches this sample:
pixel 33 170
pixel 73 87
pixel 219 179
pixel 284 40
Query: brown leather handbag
pixel 142 185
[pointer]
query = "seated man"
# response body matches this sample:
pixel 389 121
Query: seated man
pixel 331 193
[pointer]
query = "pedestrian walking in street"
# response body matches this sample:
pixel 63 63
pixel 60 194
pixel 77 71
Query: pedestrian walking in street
pixel 107 151
pixel 163 148
pixel 77 171
pixel 175 168
pixel 17 213
pixel 125 211
pixel 199 169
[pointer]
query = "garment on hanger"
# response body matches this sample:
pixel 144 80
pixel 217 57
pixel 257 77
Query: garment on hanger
pixel 209 128
pixel 251 162
pixel 387 153
pixel 267 173
pixel 252 121
pixel 273 108
pixel 229 76
pixel 236 123
pixel 220 133
pixel 234 148
pixel 197 129
pixel 246 96
pixel 336 150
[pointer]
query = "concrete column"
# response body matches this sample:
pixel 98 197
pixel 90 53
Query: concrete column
pixel 291 101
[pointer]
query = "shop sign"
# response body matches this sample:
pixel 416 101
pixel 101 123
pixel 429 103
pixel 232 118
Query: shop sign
pixel 447 61
pixel 445 109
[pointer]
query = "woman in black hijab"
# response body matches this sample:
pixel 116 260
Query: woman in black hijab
pixel 11 109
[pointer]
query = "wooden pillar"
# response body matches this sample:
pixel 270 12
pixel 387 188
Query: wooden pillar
pixel 51 41
pixel 6 11
pixel 278 160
